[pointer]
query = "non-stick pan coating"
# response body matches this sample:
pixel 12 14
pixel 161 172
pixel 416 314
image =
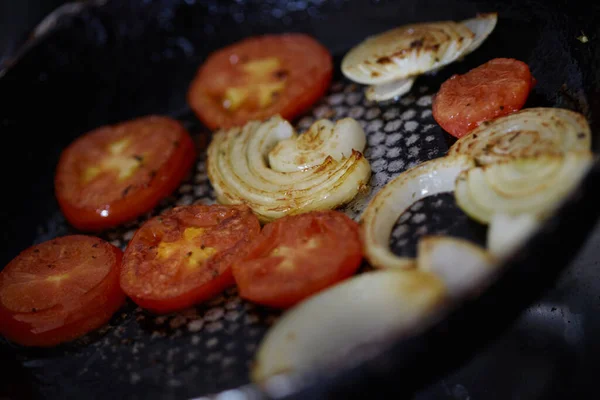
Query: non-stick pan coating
pixel 129 58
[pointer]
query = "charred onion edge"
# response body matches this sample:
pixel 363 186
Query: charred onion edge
pixel 427 179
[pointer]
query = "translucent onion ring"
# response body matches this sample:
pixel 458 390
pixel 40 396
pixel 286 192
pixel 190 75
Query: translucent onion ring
pixel 427 179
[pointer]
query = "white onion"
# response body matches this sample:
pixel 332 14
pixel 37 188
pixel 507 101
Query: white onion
pixel 506 233
pixel 239 172
pixel 530 185
pixel 386 91
pixel 463 266
pixel 406 51
pixel 323 139
pixel 429 178
pixel 391 61
pixel 526 133
pixel 367 308
pixel 482 26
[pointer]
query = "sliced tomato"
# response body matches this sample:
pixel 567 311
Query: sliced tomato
pixel 184 256
pixel 116 173
pixel 499 87
pixel 297 256
pixel 259 77
pixel 59 290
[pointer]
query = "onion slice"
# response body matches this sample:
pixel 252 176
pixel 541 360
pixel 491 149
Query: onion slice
pixel 391 61
pixel 427 179
pixel 463 266
pixel 526 133
pixel 482 26
pixel 238 170
pixel 323 139
pixel 506 233
pixel 530 185
pixel 406 51
pixel 387 91
pixel 327 328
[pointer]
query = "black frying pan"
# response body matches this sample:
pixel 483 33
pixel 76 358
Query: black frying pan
pixel 99 64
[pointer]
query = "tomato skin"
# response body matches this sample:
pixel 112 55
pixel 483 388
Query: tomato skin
pixel 70 320
pixel 494 89
pixel 156 274
pixel 307 63
pixel 297 256
pixel 125 208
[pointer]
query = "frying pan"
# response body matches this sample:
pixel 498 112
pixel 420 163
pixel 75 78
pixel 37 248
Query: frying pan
pixel 105 61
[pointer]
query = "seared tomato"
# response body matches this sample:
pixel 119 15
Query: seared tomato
pixel 113 174
pixel 184 256
pixel 296 256
pixel 499 87
pixel 259 77
pixel 59 290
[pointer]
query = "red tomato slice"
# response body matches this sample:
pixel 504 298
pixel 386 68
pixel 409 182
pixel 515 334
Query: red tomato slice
pixel 296 256
pixel 259 77
pixel 59 290
pixel 184 256
pixel 499 87
pixel 116 173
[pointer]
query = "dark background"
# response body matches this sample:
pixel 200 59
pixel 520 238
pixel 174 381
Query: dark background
pixel 532 360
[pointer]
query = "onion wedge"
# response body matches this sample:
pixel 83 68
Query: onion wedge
pixel 463 266
pixel 429 178
pixel 526 133
pixel 507 232
pixel 238 170
pixel 530 185
pixel 327 328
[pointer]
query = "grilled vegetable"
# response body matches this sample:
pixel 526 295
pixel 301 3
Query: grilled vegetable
pixel 429 178
pixel 259 77
pixel 534 185
pixel 499 87
pixel 365 309
pixel 239 172
pixel 184 256
pixel 59 290
pixel 526 133
pixel 463 266
pixel 390 61
pixel 297 256
pixel 116 173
